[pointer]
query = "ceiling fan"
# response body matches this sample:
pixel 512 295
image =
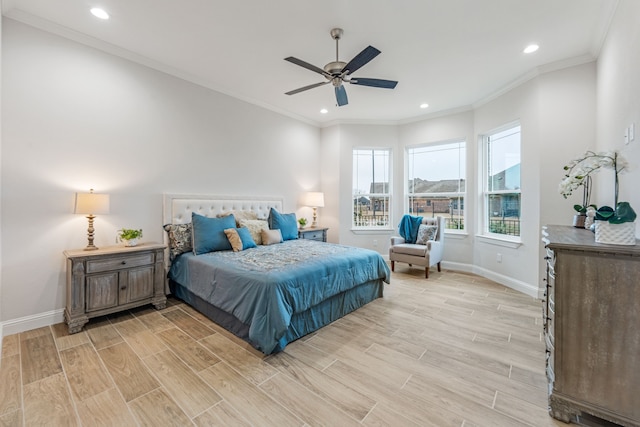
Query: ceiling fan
pixel 338 72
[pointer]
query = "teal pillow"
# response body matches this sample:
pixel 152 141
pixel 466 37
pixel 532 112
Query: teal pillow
pixel 286 223
pixel 208 233
pixel 245 236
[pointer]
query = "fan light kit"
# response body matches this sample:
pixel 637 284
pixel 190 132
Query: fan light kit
pixel 338 72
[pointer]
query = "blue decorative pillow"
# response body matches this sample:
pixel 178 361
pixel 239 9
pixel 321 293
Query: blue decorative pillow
pixel 247 239
pixel 208 233
pixel 240 239
pixel 286 223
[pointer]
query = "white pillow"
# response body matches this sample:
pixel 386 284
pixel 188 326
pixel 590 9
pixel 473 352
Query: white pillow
pixel 255 227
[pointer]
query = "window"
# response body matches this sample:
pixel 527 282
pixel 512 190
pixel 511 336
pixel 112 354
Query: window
pixel 436 182
pixel 371 199
pixel 502 182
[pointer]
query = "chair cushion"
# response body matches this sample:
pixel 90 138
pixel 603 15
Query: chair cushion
pixel 410 249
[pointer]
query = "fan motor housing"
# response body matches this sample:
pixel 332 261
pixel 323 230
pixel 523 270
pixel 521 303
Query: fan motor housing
pixel 335 68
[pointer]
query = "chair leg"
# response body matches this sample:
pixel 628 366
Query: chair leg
pixel 393 265
pixel 426 272
pixel 439 267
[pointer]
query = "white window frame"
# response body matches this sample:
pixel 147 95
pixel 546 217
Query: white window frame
pixel 509 240
pixel 388 195
pixel 463 194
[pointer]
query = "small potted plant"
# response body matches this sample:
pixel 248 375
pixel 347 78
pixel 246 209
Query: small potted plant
pixel 302 222
pixel 129 236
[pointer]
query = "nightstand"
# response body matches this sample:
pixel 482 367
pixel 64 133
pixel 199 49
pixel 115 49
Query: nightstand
pixel 316 233
pixel 113 279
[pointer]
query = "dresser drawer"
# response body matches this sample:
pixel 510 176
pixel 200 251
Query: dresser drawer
pixel 124 261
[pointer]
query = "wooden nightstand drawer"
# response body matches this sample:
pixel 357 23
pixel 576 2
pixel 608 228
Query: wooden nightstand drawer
pixel 319 234
pixel 109 264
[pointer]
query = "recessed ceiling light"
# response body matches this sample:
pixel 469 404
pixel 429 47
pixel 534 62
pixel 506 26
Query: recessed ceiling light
pixel 324 111
pixel 99 13
pixel 424 105
pixel 531 48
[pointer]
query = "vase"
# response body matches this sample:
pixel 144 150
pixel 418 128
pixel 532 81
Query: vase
pixel 616 234
pixel 578 220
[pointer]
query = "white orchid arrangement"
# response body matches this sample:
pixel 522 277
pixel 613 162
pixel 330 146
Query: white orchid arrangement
pixel 578 173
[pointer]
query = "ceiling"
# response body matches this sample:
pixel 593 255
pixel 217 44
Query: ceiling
pixel 451 54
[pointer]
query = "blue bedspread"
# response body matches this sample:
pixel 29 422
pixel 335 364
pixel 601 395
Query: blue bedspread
pixel 264 286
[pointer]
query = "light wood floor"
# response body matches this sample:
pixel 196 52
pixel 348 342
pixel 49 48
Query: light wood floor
pixel 453 350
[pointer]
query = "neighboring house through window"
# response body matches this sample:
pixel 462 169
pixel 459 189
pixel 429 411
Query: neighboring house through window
pixel 502 182
pixel 371 196
pixel 436 182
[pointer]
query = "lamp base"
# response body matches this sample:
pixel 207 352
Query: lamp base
pixel 90 230
pixel 314 224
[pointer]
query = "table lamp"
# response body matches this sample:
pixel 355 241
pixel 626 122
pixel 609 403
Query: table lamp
pixel 90 204
pixel 314 199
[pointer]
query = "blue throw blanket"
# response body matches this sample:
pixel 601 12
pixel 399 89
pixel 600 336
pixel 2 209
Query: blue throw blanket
pixel 408 227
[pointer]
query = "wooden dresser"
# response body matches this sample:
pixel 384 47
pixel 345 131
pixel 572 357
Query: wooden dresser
pixel 591 315
pixel 113 279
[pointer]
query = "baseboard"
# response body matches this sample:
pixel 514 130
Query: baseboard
pixel 507 281
pixel 35 321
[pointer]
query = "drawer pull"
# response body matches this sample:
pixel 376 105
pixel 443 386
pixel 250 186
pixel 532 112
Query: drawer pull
pixel 123 288
pixel 124 262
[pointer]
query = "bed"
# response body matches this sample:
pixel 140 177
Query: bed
pixel 269 295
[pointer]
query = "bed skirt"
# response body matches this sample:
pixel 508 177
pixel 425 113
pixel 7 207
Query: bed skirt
pixel 302 323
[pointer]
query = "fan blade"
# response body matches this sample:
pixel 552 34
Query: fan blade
pixel 306 65
pixel 341 96
pixel 386 84
pixel 302 89
pixel 361 59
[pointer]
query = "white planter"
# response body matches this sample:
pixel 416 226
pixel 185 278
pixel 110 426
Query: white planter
pixel 130 242
pixel 616 234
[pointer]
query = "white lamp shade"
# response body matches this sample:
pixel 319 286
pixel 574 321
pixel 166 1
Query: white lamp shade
pixel 314 199
pixel 92 204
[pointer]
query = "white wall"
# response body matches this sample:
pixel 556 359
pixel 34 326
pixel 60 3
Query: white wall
pixel 618 91
pixel 557 113
pixel 329 215
pixel 1 268
pixel 75 117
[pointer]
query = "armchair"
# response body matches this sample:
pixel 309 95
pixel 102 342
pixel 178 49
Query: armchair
pixel 422 255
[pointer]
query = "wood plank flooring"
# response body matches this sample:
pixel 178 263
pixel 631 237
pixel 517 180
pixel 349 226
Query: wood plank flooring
pixel 453 350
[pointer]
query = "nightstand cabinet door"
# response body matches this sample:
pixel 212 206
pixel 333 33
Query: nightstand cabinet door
pixel 101 291
pixel 136 285
pixel 113 279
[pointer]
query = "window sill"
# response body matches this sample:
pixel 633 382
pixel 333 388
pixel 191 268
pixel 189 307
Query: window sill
pixel 455 235
pixel 500 241
pixel 371 230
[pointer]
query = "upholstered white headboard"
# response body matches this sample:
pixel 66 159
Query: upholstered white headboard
pixel 178 207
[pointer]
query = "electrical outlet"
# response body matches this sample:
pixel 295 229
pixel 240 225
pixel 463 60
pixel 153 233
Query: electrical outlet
pixel 499 257
pixel 375 243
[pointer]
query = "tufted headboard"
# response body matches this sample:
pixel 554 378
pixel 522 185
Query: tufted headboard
pixel 178 207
